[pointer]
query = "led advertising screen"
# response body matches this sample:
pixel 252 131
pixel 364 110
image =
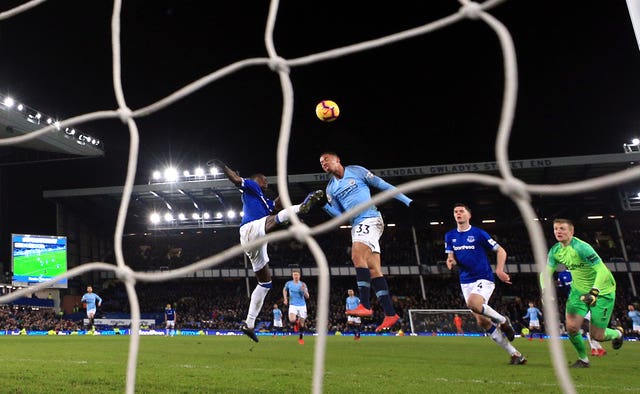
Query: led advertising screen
pixel 38 258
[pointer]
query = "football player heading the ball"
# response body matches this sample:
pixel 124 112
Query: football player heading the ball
pixel 348 187
pixel 593 289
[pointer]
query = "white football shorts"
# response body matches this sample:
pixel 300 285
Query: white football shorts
pixel 482 287
pixel 252 231
pixel 298 310
pixel 368 232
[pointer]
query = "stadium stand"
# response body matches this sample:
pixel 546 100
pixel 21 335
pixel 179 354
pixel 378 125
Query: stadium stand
pixel 217 298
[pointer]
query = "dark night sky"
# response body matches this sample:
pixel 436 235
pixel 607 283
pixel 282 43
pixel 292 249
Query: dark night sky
pixel 579 82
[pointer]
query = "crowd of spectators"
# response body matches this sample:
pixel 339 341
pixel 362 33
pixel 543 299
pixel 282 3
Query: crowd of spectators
pixel 166 252
pixel 219 304
pixel 15 318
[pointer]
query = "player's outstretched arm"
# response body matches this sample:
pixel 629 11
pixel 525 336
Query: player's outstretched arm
pixel 231 175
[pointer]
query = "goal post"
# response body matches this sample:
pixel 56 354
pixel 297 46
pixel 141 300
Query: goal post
pixel 441 321
pixel 634 12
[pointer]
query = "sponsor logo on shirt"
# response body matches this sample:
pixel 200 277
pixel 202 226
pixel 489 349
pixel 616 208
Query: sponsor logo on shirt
pixel 464 247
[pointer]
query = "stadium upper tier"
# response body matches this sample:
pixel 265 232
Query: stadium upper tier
pixel 191 195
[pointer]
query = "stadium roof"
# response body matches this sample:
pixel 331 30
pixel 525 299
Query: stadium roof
pixel 219 195
pixel 63 143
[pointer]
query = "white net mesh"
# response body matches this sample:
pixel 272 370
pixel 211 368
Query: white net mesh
pixel 518 191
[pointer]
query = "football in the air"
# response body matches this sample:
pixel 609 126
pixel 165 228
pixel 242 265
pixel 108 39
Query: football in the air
pixel 327 111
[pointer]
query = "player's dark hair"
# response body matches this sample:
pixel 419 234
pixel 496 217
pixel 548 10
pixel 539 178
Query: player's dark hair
pixel 465 206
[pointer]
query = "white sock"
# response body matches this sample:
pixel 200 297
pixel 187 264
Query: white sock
pixel 594 344
pixel 283 216
pixel 492 314
pixel 257 299
pixel 501 340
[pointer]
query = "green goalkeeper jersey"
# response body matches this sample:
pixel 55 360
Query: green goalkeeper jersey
pixel 586 267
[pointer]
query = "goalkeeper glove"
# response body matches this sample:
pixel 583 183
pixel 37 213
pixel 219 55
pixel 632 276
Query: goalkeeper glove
pixel 591 297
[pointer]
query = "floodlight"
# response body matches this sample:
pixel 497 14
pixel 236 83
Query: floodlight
pixel 8 102
pixel 154 218
pixel 170 174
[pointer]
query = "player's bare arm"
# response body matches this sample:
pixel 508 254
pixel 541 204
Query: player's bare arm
pixel 231 175
pixel 277 203
pixel 451 261
pixel 500 262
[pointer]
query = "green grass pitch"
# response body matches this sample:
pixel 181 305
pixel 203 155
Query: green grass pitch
pixel 234 364
pixel 48 263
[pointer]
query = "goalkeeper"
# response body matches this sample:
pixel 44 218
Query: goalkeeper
pixel 593 289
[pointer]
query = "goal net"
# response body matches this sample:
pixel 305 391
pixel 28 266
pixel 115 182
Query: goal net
pixel 517 190
pixel 441 321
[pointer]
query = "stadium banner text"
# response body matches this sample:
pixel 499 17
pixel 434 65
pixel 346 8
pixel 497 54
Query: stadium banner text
pixel 120 322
